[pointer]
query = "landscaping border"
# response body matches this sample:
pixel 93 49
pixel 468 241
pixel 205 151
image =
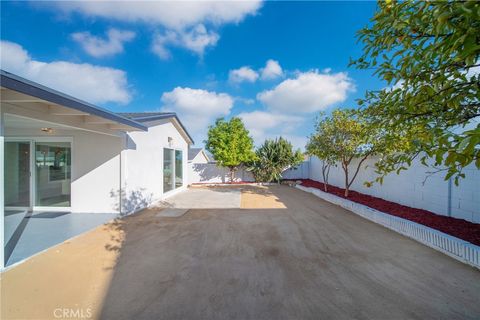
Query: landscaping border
pixel 456 248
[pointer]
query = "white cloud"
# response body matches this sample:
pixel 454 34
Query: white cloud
pixel 268 125
pixel 181 20
pixel 272 70
pixel 243 74
pixel 172 14
pixel 92 83
pixel 197 108
pixel 98 47
pixel 196 40
pixel 308 92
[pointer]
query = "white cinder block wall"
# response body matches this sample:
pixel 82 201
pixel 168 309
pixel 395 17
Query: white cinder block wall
pixel 201 172
pixel 408 188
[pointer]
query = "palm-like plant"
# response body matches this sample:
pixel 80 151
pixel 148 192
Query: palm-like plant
pixel 273 157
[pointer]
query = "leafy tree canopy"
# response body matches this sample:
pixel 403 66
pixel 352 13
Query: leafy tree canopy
pixel 429 54
pixel 347 135
pixel 229 143
pixel 273 157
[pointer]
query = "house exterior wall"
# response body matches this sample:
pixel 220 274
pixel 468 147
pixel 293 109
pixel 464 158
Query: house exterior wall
pixel 95 176
pixel 113 172
pixel 143 163
pixel 410 188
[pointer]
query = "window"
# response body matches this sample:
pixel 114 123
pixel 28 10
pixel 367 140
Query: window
pixel 172 169
pixel 168 177
pixel 178 169
pixel 53 162
pixel 55 158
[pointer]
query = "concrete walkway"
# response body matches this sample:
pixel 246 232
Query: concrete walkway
pixel 284 255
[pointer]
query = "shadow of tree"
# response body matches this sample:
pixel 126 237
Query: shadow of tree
pixel 210 172
pixel 131 201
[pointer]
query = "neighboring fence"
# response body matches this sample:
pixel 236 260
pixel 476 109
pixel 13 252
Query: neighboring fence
pixel 211 173
pixel 300 172
pixel 410 188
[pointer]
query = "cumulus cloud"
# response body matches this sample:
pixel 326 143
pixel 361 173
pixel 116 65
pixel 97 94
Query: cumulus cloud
pixel 272 70
pixel 196 40
pixel 269 125
pixel 243 74
pixel 92 83
pixel 180 19
pixel 197 108
pixel 172 14
pixel 308 92
pixel 99 47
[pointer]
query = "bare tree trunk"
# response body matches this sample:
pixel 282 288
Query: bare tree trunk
pixel 325 173
pixel 232 174
pixel 356 172
pixel 347 186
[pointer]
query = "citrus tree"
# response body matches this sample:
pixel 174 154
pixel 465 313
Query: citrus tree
pixel 230 144
pixel 272 158
pixel 429 54
pixel 320 146
pixel 349 138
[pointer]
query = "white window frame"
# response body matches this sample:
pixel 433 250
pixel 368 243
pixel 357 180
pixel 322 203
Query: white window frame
pixel 174 167
pixel 33 172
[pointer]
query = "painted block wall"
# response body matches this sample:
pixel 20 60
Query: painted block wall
pixel 211 173
pixel 410 188
pixel 300 172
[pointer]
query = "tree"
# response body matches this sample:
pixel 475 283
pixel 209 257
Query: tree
pixel 230 144
pixel 272 158
pixel 429 54
pixel 349 136
pixel 320 145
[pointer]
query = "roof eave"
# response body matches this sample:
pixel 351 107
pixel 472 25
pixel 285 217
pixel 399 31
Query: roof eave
pixel 19 84
pixel 167 116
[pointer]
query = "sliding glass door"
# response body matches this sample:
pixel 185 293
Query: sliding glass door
pixel 53 167
pixel 178 169
pixel 17 174
pixel 172 169
pixel 168 172
pixel 38 173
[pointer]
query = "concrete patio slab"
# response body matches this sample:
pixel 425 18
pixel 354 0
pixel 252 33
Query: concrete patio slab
pixel 295 257
pixel 204 198
pixel 29 233
pixel 171 212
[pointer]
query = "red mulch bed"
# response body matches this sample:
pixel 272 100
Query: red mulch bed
pixel 459 228
pixel 222 183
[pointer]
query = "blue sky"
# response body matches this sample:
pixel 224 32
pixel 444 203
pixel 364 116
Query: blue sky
pixel 275 64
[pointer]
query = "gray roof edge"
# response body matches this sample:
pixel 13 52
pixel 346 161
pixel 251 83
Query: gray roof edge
pixel 17 83
pixel 166 116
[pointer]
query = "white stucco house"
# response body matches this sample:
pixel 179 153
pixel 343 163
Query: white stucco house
pixel 67 159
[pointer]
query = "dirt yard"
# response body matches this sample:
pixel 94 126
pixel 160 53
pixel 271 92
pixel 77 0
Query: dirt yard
pixel 272 253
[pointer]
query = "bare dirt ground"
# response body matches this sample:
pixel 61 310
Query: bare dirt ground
pixel 284 254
